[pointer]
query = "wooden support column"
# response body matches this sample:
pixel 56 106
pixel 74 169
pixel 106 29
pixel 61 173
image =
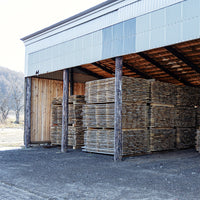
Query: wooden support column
pixel 118 109
pixel 71 81
pixel 64 142
pixel 27 114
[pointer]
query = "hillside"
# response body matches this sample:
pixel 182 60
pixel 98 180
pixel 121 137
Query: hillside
pixel 8 78
pixel 11 93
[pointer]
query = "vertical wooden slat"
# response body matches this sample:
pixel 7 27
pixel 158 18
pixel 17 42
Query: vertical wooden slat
pixel 71 81
pixel 64 142
pixel 27 120
pixel 118 109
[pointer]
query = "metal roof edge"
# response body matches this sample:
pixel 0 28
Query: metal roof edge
pixel 69 19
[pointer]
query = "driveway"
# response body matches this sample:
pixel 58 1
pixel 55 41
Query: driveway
pixel 41 173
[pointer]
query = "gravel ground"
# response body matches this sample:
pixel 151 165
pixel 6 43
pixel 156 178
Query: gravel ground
pixel 41 173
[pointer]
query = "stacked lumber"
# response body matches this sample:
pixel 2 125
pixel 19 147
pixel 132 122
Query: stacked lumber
pixel 188 96
pixel 185 116
pixel 156 116
pixel 134 116
pixel 185 138
pixel 162 110
pixel 197 129
pixel 102 91
pixel 198 140
pixel 163 93
pixel 198 117
pixel 75 122
pixel 102 141
pixel 98 116
pixel 162 139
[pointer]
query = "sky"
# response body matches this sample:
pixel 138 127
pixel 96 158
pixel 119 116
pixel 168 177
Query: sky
pixel 19 18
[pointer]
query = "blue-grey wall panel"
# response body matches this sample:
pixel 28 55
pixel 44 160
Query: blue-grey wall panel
pixel 119 39
pixel 173 24
pixel 129 36
pixel 173 33
pixel 191 8
pixel 173 14
pixel 107 37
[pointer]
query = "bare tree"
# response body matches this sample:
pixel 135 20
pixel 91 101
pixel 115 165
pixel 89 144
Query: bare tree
pixel 17 95
pixel 4 108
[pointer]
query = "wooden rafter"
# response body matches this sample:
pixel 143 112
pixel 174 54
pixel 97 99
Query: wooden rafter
pixel 103 68
pixel 183 58
pixel 155 63
pixel 88 72
pixel 132 69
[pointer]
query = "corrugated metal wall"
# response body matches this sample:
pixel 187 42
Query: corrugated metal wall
pixel 172 24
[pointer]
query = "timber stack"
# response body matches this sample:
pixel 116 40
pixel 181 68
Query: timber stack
pixel 198 129
pixel 156 116
pixel 75 123
pixel 162 110
pixel 98 116
pixel 185 116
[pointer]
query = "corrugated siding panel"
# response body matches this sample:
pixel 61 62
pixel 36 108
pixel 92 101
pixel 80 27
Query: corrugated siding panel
pixel 143 7
pixel 157 23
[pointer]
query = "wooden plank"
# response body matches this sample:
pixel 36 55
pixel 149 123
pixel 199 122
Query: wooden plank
pixel 183 58
pixel 167 71
pixel 43 91
pixel 27 121
pixel 118 109
pixel 64 143
pixel 71 81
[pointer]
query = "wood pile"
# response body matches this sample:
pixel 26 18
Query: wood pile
pixel 156 116
pixel 162 110
pixel 98 116
pixel 198 129
pixel 186 116
pixel 185 138
pixel 102 91
pixel 198 140
pixel 162 139
pixel 163 93
pixel 102 141
pixel 75 123
pixel 134 116
pixel 188 96
pixel 198 117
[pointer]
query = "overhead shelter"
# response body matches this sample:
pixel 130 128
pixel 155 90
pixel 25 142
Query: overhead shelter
pixel 154 39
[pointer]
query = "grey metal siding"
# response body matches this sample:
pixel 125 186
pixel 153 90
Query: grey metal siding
pixel 169 25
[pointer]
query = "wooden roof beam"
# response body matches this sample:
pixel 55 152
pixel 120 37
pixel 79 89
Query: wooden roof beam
pixel 103 68
pixel 90 73
pixel 152 61
pixel 132 69
pixel 183 58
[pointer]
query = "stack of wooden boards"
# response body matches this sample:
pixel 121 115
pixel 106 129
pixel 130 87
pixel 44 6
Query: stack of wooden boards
pixel 98 116
pixel 156 116
pixel 198 130
pixel 187 100
pixel 162 116
pixel 75 124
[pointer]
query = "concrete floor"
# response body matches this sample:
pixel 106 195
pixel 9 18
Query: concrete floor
pixel 40 173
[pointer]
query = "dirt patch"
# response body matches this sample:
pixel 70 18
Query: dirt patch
pixel 11 137
pixel 11 134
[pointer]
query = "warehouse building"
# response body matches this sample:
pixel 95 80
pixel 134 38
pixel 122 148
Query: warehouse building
pixel 134 43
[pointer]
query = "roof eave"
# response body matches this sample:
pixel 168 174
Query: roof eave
pixel 69 19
